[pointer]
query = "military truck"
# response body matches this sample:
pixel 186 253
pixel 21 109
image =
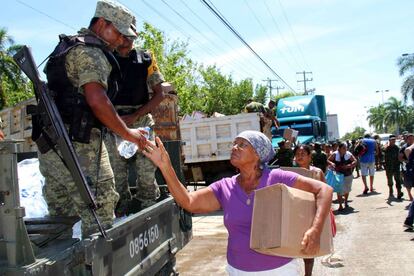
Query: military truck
pixel 306 114
pixel 144 243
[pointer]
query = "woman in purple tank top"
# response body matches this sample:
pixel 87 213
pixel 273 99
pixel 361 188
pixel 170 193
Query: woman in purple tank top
pixel 235 195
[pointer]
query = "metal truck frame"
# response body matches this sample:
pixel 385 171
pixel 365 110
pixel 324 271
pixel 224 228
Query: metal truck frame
pixel 142 244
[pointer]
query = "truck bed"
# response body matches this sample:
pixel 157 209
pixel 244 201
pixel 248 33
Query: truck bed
pixel 210 139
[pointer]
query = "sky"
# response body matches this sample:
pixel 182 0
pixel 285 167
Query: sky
pixel 351 47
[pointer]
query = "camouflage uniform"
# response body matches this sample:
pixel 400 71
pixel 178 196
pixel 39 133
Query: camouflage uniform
pixel 146 185
pixel 83 65
pixel 392 167
pixel 265 121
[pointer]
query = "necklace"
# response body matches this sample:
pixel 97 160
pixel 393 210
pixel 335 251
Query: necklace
pixel 250 194
pixel 248 200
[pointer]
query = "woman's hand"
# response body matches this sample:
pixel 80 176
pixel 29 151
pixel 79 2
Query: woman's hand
pixel 311 241
pixel 157 153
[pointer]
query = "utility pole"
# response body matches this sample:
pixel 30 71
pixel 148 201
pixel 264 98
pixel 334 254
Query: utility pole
pixel 277 89
pixel 304 80
pixel 269 85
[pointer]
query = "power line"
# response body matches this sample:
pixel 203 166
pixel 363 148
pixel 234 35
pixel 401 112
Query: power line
pixel 267 34
pixel 225 22
pixel 45 14
pixel 293 34
pixel 305 90
pixel 270 87
pixel 201 33
pixel 242 65
pixel 269 11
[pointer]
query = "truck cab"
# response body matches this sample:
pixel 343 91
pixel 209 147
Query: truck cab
pixel 306 114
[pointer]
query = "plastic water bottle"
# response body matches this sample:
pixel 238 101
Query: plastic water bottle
pixel 127 149
pixel 147 133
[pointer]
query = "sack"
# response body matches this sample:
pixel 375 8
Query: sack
pixel 335 180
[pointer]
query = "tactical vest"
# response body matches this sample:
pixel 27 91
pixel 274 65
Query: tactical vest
pixel 134 69
pixel 71 104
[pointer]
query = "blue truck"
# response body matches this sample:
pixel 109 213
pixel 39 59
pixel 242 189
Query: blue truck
pixel 306 114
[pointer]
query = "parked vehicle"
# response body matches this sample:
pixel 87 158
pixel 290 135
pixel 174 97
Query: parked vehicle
pixel 144 243
pixel 306 114
pixel 207 144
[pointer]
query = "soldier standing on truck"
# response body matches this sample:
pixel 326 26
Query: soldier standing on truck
pixel 265 120
pixel 133 103
pixel 272 113
pixel 81 73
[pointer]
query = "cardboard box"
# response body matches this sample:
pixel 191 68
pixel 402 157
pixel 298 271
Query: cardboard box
pixel 290 134
pixel 301 171
pixel 281 216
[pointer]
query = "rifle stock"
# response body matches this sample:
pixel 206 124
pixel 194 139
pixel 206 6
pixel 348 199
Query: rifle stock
pixel 24 60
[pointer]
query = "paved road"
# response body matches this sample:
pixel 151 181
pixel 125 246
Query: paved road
pixel 370 239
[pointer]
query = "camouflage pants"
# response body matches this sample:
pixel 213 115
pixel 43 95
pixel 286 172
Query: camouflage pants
pixel 146 185
pixel 61 192
pixel 266 124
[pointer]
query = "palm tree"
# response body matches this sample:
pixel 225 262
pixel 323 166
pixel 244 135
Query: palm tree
pixel 406 64
pixel 9 72
pixel 395 113
pixel 376 118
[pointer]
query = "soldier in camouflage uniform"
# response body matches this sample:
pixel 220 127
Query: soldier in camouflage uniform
pixel 265 119
pixel 87 76
pixel 134 104
pixel 392 167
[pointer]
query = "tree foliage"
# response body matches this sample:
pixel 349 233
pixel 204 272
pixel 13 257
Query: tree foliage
pixel 355 134
pixel 392 116
pixel 376 118
pixel 406 68
pixel 199 87
pixel 14 86
pixel 285 95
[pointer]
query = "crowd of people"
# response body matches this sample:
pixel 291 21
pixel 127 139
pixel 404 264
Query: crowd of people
pixel 361 158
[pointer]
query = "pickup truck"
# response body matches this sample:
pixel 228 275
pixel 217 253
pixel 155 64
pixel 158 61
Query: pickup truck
pixel 144 243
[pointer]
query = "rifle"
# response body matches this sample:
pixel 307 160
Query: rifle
pixel 54 131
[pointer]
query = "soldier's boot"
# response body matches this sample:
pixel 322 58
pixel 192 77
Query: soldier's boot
pixel 122 208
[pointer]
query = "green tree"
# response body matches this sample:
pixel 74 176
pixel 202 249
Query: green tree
pixel 395 113
pixel 355 134
pixel 408 124
pixel 406 68
pixel 285 95
pixel 13 86
pixel 376 118
pixel 175 65
pixel 260 94
pixel 220 93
